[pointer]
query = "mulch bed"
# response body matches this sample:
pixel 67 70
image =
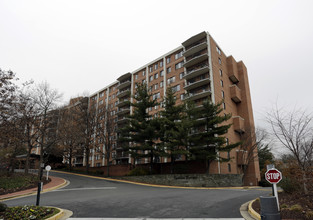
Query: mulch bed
pixel 293 206
pixel 32 185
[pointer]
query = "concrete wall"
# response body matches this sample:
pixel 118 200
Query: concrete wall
pixel 189 180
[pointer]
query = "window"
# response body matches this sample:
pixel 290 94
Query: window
pixel 218 50
pixel 221 73
pixel 155 66
pixel 101 94
pixel 156 107
pixel 181 75
pixel 94 98
pixel 182 96
pixel 228 155
pixel 179 65
pixel 168 59
pixel 227 141
pixel 162 73
pixel 171 80
pixel 151 78
pixel 150 89
pixel 169 69
pixel 176 88
pixel 179 55
pixel 156 96
pixel 219 61
pixel 156 76
pixel 229 167
pixel 222 83
pixel 223 94
pixel 150 69
pixel 136 76
pixel 143 73
pixel 156 86
pixel 161 84
pixel 113 96
pixel 98 164
pixel 161 63
pixel 143 81
pixel 224 105
pixel 101 102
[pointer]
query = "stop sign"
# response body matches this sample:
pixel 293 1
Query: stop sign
pixel 273 176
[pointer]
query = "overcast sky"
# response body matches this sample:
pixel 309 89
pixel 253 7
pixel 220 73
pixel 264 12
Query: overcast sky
pixel 79 46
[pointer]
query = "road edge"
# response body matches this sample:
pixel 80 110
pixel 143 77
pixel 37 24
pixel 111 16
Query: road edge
pixel 252 212
pixel 155 185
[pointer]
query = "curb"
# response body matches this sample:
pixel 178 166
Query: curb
pixel 154 185
pixel 56 216
pixel 34 193
pixel 251 211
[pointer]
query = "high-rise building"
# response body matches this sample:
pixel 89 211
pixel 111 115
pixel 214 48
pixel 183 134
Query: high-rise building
pixel 196 70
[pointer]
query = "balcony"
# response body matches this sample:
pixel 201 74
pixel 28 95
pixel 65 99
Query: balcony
pixel 123 102
pixel 242 157
pixel 122 155
pixel 235 93
pixel 194 39
pixel 126 76
pixel 123 93
pixel 238 123
pixel 199 95
pixel 197 84
pixel 122 120
pixel 195 60
pixel 124 84
pixel 122 111
pixel 197 71
pixel 234 78
pixel 195 49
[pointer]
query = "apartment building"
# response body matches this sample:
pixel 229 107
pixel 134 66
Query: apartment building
pixel 197 70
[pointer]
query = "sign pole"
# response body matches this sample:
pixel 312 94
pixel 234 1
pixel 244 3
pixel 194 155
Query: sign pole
pixel 276 195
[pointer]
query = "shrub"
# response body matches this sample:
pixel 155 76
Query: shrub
pixel 289 185
pixel 99 172
pixel 309 214
pixel 138 171
pixel 3 207
pixel 296 208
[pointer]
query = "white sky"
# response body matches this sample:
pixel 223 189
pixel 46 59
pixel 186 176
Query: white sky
pixel 79 46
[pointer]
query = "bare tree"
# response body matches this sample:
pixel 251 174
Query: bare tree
pixel 251 141
pixel 46 100
pixel 70 132
pixel 295 132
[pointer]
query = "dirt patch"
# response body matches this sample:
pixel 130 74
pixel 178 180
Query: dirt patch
pixel 293 206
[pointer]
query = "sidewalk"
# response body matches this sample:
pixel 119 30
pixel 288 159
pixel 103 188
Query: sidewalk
pixel 55 183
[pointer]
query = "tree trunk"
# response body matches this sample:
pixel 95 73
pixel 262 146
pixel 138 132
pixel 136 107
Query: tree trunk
pixel 305 188
pixel 27 159
pixel 70 159
pixel 108 164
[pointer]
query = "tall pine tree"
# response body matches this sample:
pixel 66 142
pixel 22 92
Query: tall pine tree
pixel 140 136
pixel 206 138
pixel 171 128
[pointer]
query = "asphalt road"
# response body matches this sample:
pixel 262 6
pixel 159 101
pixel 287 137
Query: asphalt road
pixel 89 197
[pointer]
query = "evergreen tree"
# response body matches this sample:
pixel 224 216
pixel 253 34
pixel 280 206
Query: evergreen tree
pixel 207 138
pixel 172 128
pixel 140 136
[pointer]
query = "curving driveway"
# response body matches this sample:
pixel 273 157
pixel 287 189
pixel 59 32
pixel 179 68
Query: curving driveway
pixel 90 197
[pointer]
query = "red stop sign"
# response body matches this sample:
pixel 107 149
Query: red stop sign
pixel 273 176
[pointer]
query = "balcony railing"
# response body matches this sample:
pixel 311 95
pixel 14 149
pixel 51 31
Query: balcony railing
pixel 122 93
pixel 198 95
pixel 197 59
pixel 197 71
pixel 124 84
pixel 123 102
pixel 196 48
pixel 196 84
pixel 123 111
